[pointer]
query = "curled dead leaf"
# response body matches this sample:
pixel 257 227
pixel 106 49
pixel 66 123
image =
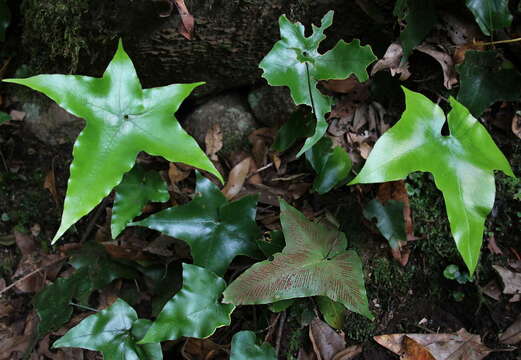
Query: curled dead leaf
pixel 516 125
pixel 236 178
pixel 512 334
pixel 445 60
pixel 326 341
pixel 213 141
pixel 392 61
pixel 511 281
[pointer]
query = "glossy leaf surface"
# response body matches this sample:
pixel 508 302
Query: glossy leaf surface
pixel 122 120
pixel 113 332
pixel 332 165
pixel 314 262
pixel 137 188
pixel 215 229
pixel 483 82
pixel 244 346
pixel 490 15
pixel 195 311
pixel 299 125
pixel 294 61
pixel 462 164
pixel 94 270
pixel 389 220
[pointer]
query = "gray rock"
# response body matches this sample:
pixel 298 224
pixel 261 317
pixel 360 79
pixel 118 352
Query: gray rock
pixel 51 124
pixel 231 112
pixel 271 105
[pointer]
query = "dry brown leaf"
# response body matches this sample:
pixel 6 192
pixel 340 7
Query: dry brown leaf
pixel 203 349
pixel 391 60
pixel 459 54
pixel 13 344
pixel 177 173
pixel 492 245
pixel 511 280
pixel 445 60
pixel 342 86
pixel 512 334
pixel 516 125
pixel 17 115
pixel 50 184
pixel 458 346
pixel 349 353
pixel 492 290
pixel 261 140
pixel 186 26
pixel 236 178
pixel 25 243
pixel 213 141
pixel 326 341
pixel 414 351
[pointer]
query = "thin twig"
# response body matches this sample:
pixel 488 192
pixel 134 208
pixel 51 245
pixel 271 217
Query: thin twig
pixel 83 307
pixel 31 274
pixel 93 220
pixel 282 321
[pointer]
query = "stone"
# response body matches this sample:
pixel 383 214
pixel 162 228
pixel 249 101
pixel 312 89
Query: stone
pixel 271 105
pixel 232 114
pixel 51 124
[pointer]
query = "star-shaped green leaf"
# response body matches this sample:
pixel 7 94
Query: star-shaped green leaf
pixel 195 311
pixel 483 82
pixel 490 15
pixel 122 120
pixel 244 346
pixel 314 262
pixel 137 188
pixel 215 229
pixel 462 164
pixel 115 332
pixel 294 61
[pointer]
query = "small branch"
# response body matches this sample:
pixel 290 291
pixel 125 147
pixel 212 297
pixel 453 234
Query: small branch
pixel 83 307
pixel 93 220
pixel 509 41
pixel 31 274
pixel 282 321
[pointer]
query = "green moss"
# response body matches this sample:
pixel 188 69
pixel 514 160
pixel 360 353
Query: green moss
pixel 359 328
pixel 53 32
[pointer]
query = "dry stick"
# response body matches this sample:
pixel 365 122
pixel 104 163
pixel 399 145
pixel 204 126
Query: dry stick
pixel 481 43
pixel 279 333
pixel 31 274
pixel 93 220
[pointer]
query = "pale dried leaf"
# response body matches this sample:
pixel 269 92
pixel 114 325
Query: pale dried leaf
pixel 511 280
pixel 50 184
pixel 349 353
pixel 445 60
pixel 17 115
pixel 236 178
pixel 25 243
pixel 516 125
pixel 391 60
pixel 186 26
pixel 326 341
pixel 492 290
pixel 177 174
pixel 213 141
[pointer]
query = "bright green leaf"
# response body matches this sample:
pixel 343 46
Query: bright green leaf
pixel 294 61
pixel 122 120
pixel 113 332
pixel 334 313
pixel 420 19
pixel 280 306
pixel 462 164
pixel 314 262
pixel 137 188
pixel 5 18
pixel 244 346
pixel 215 229
pixel 490 15
pixel 389 220
pixel 483 82
pixel 94 270
pixel 332 165
pixel 195 311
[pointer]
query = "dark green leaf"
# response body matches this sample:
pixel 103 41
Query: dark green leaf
pixel 314 262
pixel 274 244
pixel 332 165
pixel 462 164
pixel 137 188
pixel 122 120
pixel 195 311
pixel 215 229
pixel 5 18
pixel 280 306
pixel 334 313
pixel 113 332
pixel 389 219
pixel 294 61
pixel 483 82
pixel 420 18
pixel 300 125
pixel 244 346
pixel 4 117
pixel 94 270
pixel 490 15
